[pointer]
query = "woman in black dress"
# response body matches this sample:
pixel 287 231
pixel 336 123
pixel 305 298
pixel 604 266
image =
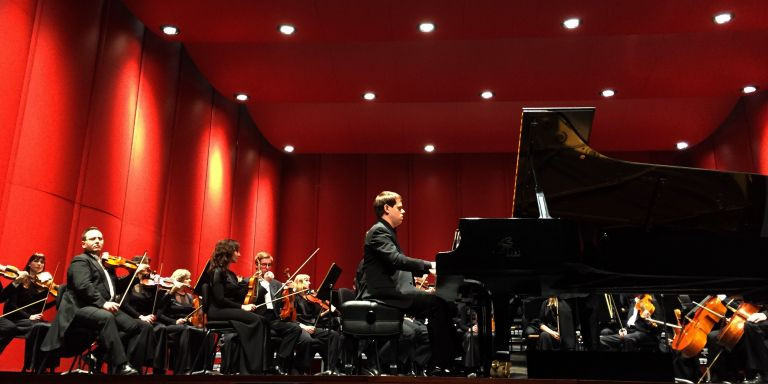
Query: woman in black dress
pixel 226 304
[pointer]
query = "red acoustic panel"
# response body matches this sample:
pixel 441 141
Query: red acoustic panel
pixel 188 169
pixel 485 184
pixel 298 224
pixel 732 143
pixel 17 19
pixel 112 113
pixel 341 223
pixel 433 205
pixel 269 199
pixel 147 182
pixel 757 116
pixel 245 190
pixel 217 205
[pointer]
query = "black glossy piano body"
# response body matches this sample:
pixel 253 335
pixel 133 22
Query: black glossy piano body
pixel 618 227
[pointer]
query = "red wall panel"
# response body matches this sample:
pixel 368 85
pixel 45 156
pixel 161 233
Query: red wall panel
pixel 757 117
pixel 245 192
pixel 298 213
pixel 268 199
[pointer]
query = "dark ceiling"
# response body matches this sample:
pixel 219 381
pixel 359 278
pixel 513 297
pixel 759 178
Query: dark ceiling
pixel 676 73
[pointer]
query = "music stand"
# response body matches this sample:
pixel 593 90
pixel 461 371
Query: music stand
pixel 326 287
pixel 202 279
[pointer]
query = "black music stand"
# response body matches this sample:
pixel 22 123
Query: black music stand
pixel 326 287
pixel 202 279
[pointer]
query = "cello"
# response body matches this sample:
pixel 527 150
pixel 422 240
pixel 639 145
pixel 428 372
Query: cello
pixel 734 327
pixel 692 339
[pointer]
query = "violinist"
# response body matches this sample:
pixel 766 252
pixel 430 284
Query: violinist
pixel 638 330
pixel 177 313
pixel 553 328
pixel 271 308
pixel 226 304
pixel 141 303
pixel 25 299
pixel 90 301
pixel 316 321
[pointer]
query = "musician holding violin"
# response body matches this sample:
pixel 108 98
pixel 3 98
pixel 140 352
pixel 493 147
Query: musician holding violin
pixel 276 306
pixel 315 318
pixel 638 329
pixel 29 294
pixel 226 304
pixel 182 316
pixel 91 301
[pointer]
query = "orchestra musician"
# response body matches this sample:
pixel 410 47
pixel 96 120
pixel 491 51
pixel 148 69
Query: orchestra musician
pixel 177 312
pixel 28 295
pixel 638 330
pixel 287 329
pixel 316 321
pixel 90 301
pixel 148 349
pixel 387 274
pixel 749 356
pixel 554 327
pixel 226 304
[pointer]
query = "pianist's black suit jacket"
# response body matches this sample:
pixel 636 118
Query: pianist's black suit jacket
pixel 86 286
pixel 387 272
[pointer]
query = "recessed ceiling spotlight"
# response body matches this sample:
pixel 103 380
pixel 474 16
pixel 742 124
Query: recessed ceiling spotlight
pixel 241 97
pixel 722 18
pixel 286 29
pixel 572 23
pixel 288 148
pixel 608 92
pixel 487 95
pixel 426 27
pixel 170 30
pixel 681 145
pixel 369 96
pixel 749 89
pixel 429 148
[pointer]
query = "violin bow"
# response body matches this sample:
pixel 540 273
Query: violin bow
pixel 298 269
pixel 133 277
pixel 53 278
pixel 157 290
pixel 280 298
pixel 20 308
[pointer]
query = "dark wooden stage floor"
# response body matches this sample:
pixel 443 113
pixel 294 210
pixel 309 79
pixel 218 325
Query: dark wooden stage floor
pixel 15 378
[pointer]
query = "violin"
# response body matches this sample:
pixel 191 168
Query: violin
pixel 110 261
pixel 692 339
pixel 44 281
pixel 9 272
pixel 312 298
pixel 155 280
pixel 253 285
pixel 645 305
pixel 197 318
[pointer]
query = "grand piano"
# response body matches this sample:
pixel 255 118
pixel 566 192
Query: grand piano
pixel 586 223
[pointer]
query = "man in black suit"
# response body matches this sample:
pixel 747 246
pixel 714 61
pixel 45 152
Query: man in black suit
pixel 90 301
pixel 388 276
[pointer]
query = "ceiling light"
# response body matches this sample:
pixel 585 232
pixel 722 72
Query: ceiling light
pixel 572 23
pixel 681 145
pixel 288 148
pixel 427 27
pixel 369 96
pixel 170 30
pixel 241 97
pixel 723 18
pixel 429 148
pixel 286 29
pixel 487 95
pixel 608 92
pixel 749 89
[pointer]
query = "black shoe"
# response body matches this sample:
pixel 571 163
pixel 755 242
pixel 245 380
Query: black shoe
pixel 440 372
pixel 126 369
pixel 280 367
pixel 369 372
pixel 758 379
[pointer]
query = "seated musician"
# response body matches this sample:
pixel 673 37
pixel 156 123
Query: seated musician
pixel 25 299
pixel 553 329
pixel 466 322
pixel 748 358
pixel 185 336
pixel 141 304
pixel 226 304
pixel 282 323
pixel 638 329
pixel 316 322
pixel 387 274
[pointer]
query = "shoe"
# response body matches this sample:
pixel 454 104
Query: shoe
pixel 126 369
pixel 758 379
pixel 369 372
pixel 440 372
pixel 280 366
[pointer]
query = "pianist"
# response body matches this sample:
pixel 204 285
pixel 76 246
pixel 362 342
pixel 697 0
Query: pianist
pixel 388 276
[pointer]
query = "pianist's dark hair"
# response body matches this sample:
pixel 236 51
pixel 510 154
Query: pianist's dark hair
pixel 384 198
